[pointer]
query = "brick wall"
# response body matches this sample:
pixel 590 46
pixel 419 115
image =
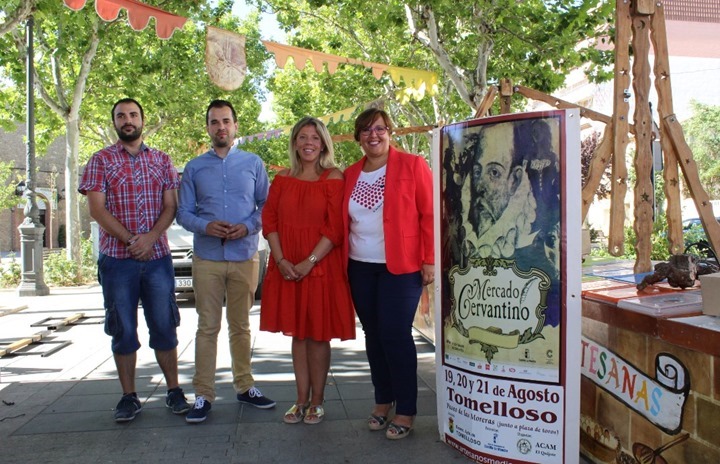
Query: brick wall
pixel 50 180
pixel 700 414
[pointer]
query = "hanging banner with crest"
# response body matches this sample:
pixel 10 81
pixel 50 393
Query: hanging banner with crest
pixel 225 58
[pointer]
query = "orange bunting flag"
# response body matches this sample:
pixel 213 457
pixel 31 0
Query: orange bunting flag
pixel 225 58
pixel 139 15
pixel 75 4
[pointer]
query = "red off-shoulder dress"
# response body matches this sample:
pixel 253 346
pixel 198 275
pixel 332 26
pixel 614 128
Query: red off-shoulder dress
pixel 319 306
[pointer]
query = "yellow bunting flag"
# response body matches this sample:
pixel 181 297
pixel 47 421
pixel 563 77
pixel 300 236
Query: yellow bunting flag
pixel 301 55
pixel 417 83
pixel 338 116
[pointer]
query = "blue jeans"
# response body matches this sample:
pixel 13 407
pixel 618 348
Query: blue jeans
pixel 125 283
pixel 385 304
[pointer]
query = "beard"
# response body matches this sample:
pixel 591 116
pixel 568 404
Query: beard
pixel 221 142
pixel 129 136
pixel 480 216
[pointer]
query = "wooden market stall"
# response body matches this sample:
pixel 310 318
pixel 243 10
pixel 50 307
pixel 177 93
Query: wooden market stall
pixel 650 390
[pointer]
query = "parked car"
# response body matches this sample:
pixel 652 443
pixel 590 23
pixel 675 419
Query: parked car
pixel 181 242
pixel 693 229
pixel 696 241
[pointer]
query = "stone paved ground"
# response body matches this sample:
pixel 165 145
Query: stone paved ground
pixel 58 408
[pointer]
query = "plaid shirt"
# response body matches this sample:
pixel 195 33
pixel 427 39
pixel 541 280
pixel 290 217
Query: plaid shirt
pixel 133 188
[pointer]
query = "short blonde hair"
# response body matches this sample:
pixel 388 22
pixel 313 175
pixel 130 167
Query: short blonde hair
pixel 327 154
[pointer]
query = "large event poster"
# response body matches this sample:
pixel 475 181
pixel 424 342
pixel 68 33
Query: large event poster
pixel 508 304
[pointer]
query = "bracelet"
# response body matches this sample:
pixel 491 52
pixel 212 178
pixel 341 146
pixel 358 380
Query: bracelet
pixel 279 261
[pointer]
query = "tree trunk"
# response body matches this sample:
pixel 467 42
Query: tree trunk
pixel 72 205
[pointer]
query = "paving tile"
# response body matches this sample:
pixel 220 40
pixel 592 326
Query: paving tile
pixel 357 390
pixel 65 403
pixel 86 421
pixel 110 386
pixel 83 403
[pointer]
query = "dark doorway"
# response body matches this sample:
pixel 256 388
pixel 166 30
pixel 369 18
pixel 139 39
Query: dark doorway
pixel 41 215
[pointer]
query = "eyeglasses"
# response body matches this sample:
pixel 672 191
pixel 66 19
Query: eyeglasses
pixel 379 130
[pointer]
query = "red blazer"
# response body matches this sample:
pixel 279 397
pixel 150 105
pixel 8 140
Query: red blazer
pixel 407 211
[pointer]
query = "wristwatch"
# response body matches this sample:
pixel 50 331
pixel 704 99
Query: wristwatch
pixel 312 258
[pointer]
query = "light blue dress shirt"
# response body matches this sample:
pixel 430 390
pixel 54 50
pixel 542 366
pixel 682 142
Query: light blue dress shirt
pixel 233 189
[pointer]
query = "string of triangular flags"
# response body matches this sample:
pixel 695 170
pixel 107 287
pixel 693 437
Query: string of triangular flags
pixel 225 54
pixel 338 116
pixel 139 15
pixel 417 82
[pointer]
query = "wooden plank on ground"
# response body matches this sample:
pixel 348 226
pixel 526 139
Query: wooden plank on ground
pixel 70 319
pixel 23 342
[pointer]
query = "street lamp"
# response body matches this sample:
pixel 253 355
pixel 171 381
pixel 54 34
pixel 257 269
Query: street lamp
pixel 20 189
pixel 31 230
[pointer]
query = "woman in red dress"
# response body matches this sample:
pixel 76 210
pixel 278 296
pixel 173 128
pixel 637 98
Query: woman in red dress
pixel 305 293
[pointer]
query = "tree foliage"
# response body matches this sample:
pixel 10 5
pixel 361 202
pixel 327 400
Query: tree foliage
pixel 15 12
pixel 587 150
pixel 83 65
pixel 8 181
pixel 471 45
pixel 703 133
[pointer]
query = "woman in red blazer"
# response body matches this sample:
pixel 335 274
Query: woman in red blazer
pixel 390 254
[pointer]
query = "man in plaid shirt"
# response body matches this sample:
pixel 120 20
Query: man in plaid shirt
pixel 132 194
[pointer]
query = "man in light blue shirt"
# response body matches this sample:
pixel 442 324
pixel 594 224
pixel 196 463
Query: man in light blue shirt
pixel 222 193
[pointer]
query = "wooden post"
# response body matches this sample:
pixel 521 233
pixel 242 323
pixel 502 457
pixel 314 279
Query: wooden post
pixel 644 194
pixel 487 102
pixel 561 104
pixel 671 173
pixel 689 169
pixel 506 92
pixel 616 238
pixel 644 7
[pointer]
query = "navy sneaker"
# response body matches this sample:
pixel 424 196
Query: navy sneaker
pixel 199 411
pixel 128 407
pixel 175 400
pixel 254 397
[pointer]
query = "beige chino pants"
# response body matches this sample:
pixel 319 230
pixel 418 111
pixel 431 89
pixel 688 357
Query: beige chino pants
pixel 212 282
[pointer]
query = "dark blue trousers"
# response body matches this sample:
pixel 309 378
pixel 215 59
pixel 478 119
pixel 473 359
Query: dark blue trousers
pixel 385 304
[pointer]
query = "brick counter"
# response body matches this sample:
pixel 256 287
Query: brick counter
pixel 638 339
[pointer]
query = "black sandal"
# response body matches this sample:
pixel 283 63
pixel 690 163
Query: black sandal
pixel 377 422
pixel 397 431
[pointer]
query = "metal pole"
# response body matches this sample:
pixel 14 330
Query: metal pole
pixel 31 231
